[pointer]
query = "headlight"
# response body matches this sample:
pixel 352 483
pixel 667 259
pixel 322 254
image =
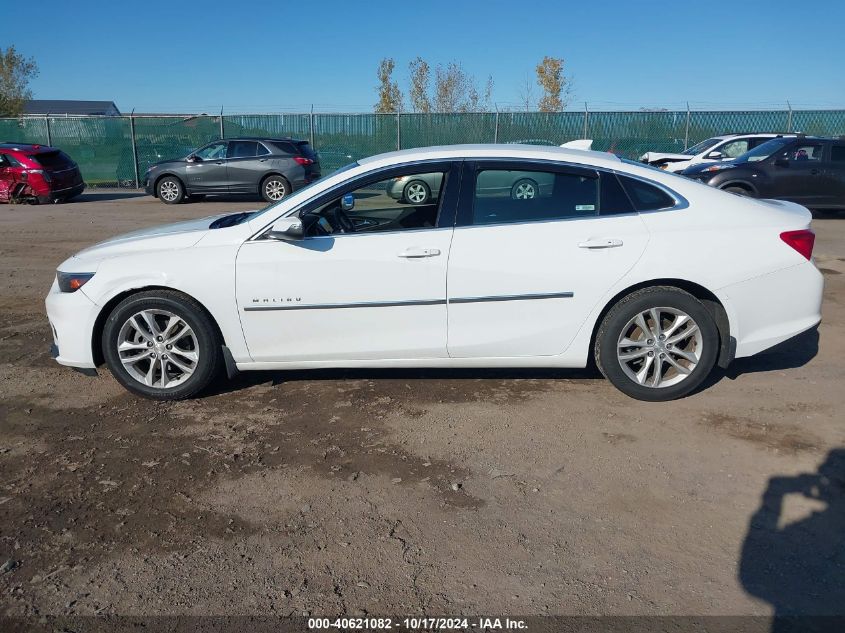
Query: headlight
pixel 717 168
pixel 71 282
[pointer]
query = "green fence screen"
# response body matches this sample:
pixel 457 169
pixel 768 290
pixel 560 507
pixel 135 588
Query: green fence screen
pixel 115 151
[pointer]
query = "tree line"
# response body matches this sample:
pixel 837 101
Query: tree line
pixel 456 90
pixel 16 71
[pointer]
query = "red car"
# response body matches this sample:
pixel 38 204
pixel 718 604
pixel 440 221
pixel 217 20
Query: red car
pixel 37 174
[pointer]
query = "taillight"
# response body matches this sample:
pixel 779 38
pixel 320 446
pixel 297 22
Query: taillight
pixel 303 161
pixel 802 241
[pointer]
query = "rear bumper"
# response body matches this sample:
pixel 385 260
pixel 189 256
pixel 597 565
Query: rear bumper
pixel 773 307
pixel 62 194
pixel 72 316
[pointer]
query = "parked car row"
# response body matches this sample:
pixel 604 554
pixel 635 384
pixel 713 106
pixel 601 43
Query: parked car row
pixel 805 169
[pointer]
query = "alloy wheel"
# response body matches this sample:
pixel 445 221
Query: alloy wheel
pixel 416 192
pixel 158 348
pixel 275 189
pixel 659 347
pixel 168 191
pixel 524 191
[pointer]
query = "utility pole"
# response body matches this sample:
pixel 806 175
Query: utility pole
pixel 398 131
pixel 496 132
pixel 586 115
pixel 686 133
pixel 222 129
pixel 789 117
pixel 49 135
pixel 134 149
pixel 311 122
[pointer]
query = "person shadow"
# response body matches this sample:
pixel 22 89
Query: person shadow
pixel 799 567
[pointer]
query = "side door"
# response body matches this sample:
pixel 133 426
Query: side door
pixel 525 271
pixel 206 169
pixel 246 163
pixel 797 174
pixel 836 168
pixel 368 280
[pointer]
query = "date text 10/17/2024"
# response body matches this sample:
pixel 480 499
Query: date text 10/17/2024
pixel 420 624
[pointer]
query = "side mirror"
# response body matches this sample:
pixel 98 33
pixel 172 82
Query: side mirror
pixel 781 162
pixel 286 229
pixel 715 156
pixel 347 202
pixel 193 158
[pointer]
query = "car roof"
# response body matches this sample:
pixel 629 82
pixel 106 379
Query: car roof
pixel 26 148
pixel 268 139
pixel 500 150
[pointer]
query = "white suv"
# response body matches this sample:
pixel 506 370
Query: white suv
pixel 718 148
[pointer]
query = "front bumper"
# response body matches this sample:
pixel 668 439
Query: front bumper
pixel 72 316
pixel 149 185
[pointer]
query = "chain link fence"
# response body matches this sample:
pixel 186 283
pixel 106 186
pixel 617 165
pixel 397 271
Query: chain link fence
pixel 115 151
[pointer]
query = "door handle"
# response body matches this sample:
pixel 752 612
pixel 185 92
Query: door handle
pixel 219 163
pixel 814 172
pixel 416 253
pixel 602 243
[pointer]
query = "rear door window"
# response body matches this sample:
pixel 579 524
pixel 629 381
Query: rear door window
pixel 837 153
pixel 242 149
pixel 517 195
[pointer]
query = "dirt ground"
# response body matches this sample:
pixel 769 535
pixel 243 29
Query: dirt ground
pixel 409 492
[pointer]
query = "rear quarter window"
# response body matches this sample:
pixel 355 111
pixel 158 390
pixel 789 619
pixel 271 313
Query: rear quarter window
pixel 646 197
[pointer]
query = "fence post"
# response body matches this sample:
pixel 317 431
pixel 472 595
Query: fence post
pixel 222 129
pixel 49 134
pixel 586 114
pixel 686 133
pixel 311 122
pixel 134 149
pixel 398 132
pixel 496 133
pixel 789 117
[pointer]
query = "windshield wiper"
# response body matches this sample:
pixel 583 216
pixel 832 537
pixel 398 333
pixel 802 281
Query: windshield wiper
pixel 229 220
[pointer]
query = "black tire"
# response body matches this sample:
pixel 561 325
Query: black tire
pixel 414 188
pixel 617 320
pixel 274 183
pixel 522 184
pixel 740 191
pixel 170 190
pixel 207 339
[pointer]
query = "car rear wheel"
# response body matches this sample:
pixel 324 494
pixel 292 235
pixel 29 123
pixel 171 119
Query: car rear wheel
pixel 161 345
pixel 657 344
pixel 524 189
pixel 416 192
pixel 170 190
pixel 274 188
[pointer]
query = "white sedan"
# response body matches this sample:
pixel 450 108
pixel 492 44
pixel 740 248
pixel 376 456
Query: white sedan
pixel 653 277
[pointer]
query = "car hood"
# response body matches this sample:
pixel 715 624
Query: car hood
pixel 700 167
pixel 163 237
pixel 650 156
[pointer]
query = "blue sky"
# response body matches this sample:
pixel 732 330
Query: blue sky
pixel 266 56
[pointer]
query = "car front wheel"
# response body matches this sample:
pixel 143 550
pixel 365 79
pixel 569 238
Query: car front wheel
pixel 162 345
pixel 170 190
pixel 657 344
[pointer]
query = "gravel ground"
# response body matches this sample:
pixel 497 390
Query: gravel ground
pixel 409 492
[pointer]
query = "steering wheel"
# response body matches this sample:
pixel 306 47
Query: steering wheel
pixel 341 221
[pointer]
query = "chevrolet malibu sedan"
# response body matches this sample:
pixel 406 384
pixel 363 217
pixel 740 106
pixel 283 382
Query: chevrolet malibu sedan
pixel 653 277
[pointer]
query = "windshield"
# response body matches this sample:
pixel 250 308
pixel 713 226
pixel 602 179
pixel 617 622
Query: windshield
pixel 701 147
pixel 762 152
